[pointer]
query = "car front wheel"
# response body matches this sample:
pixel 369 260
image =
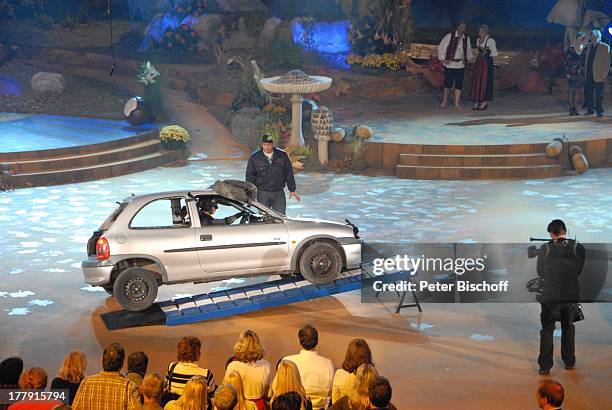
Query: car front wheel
pixel 320 262
pixel 135 289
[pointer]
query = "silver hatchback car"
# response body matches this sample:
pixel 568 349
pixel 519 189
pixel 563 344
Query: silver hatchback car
pixel 168 238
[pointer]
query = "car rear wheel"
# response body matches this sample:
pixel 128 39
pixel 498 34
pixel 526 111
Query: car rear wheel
pixel 321 262
pixel 135 289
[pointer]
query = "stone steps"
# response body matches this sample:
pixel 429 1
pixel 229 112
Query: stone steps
pixel 477 172
pixel 485 160
pixel 82 173
pixel 42 165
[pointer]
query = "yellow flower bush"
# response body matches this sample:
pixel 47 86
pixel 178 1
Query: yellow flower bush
pixel 389 60
pixel 174 133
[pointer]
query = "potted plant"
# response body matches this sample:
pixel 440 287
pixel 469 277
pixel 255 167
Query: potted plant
pixel 174 137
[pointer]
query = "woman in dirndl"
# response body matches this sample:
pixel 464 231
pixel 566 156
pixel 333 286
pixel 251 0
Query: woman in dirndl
pixel 482 77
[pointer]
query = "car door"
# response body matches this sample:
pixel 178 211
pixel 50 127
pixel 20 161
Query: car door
pixel 242 249
pixel 164 229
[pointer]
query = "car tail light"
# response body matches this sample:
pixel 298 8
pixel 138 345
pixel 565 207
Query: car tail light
pixel 102 249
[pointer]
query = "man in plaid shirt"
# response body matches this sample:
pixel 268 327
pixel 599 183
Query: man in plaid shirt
pixel 108 389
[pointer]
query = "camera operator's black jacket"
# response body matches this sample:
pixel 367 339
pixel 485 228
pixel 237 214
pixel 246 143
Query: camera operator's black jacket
pixel 560 263
pixel 268 176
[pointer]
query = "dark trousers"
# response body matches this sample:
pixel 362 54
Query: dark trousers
pixel 273 199
pixel 593 95
pixel 551 313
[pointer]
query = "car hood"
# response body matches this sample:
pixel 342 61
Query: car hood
pixel 317 220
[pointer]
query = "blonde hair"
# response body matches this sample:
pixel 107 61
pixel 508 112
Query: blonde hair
pixel 34 378
pixel 287 380
pixel 234 379
pixel 194 395
pixel 248 347
pixel 152 386
pixel 359 395
pixel 73 367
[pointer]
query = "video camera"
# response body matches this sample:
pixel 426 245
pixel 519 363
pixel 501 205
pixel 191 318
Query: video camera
pixel 533 251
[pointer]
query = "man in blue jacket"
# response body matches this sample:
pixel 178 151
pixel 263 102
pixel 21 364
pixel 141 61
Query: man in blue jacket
pixel 270 169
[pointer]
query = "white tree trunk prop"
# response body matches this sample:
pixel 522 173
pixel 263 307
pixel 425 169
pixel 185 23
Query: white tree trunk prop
pixel 297 138
pixel 322 149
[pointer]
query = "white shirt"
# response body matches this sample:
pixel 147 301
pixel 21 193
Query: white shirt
pixel 458 52
pixel 342 384
pixel 317 373
pixel 255 377
pixel 489 43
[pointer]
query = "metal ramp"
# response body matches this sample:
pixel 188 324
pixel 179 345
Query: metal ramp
pixel 260 296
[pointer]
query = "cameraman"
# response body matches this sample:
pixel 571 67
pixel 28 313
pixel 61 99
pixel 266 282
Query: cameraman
pixel 559 264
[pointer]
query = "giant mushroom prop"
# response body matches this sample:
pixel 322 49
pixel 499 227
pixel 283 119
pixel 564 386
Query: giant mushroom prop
pixel 297 83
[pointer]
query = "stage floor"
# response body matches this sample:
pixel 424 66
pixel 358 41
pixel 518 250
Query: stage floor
pixel 24 132
pixel 450 356
pixel 512 118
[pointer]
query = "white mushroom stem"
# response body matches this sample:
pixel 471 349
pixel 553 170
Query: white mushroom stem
pixel 322 148
pixel 297 138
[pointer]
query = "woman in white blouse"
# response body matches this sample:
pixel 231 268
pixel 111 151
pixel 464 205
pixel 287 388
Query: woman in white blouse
pixel 482 77
pixel 252 367
pixel 358 353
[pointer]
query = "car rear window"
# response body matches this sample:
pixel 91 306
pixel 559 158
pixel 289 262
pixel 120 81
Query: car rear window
pixel 113 217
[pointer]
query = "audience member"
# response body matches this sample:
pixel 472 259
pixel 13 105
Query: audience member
pixel 358 397
pixel 137 367
pixel 287 401
pixel 34 379
pixel 188 354
pixel 252 367
pixel 71 373
pixel 287 380
pixel 234 379
pixel 225 398
pixel 380 394
pixel 316 372
pixel 10 370
pixel 194 397
pixel 358 353
pixel 151 390
pixel 550 395
pixel 108 389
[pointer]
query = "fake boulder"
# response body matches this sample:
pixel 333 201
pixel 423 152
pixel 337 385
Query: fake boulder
pixel 47 83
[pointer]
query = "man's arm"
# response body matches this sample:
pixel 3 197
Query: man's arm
pixel 289 177
pixel 442 47
pixel 470 54
pixel 251 175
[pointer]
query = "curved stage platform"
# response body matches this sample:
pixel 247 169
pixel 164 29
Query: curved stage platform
pixel 40 150
pixel 423 141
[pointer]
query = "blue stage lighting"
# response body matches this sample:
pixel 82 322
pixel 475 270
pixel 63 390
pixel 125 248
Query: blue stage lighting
pixel 329 37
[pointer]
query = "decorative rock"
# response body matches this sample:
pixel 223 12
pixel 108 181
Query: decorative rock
pixel 48 83
pixel 338 134
pixel 553 150
pixel 269 28
pixel 580 162
pixel 362 131
pixel 245 126
pixel 207 26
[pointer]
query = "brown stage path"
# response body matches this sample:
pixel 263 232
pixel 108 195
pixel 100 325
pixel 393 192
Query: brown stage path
pixel 451 356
